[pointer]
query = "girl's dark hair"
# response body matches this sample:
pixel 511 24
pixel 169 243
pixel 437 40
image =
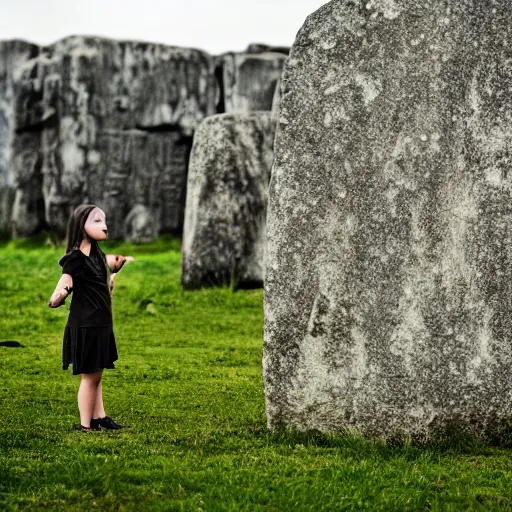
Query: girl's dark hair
pixel 76 232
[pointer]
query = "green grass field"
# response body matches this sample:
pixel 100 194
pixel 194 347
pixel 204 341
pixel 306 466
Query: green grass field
pixel 188 381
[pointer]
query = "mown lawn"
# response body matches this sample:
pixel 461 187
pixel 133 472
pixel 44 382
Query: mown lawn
pixel 188 381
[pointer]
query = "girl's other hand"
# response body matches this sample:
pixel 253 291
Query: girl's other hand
pixel 116 261
pixel 58 298
pixel 112 283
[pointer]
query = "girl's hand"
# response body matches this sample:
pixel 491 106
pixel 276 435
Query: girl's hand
pixel 116 262
pixel 58 298
pixel 123 260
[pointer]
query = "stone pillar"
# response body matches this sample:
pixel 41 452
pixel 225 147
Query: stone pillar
pixel 13 55
pixel 141 169
pixel 388 288
pixel 224 231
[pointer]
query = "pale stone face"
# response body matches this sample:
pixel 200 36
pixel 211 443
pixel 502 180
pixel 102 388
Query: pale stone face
pixel 96 225
pixel 13 56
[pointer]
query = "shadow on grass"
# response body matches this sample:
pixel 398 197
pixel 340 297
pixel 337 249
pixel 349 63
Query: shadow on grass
pixel 351 445
pixel 452 442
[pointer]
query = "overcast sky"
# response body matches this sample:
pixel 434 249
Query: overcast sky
pixel 215 26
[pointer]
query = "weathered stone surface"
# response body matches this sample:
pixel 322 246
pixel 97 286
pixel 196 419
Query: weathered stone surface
pixel 87 113
pixel 122 84
pixel 249 80
pixel 141 169
pixel 388 285
pixel 139 225
pixel 27 218
pixel 224 230
pixel 13 55
pixel 78 90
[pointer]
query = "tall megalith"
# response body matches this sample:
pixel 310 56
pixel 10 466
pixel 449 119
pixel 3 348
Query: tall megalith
pixel 13 56
pixel 388 290
pixel 227 188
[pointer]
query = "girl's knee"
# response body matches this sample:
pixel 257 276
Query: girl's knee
pixel 91 378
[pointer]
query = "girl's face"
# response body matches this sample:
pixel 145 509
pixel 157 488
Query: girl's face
pixel 96 226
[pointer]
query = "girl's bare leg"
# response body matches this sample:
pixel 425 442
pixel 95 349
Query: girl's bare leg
pixel 99 411
pixel 87 393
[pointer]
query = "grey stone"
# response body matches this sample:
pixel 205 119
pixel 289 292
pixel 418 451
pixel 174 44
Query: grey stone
pixel 27 218
pixel 13 55
pixel 124 84
pixel 77 92
pixel 141 169
pixel 250 80
pixel 388 285
pixel 88 117
pixel 139 225
pixel 224 230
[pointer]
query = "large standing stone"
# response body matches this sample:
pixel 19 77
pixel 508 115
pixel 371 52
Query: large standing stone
pixel 13 55
pixel 388 290
pixel 77 91
pixel 229 171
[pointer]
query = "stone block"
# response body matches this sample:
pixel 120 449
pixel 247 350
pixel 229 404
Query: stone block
pixel 224 230
pixel 388 290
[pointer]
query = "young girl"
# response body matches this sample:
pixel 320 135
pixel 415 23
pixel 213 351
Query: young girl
pixel 89 343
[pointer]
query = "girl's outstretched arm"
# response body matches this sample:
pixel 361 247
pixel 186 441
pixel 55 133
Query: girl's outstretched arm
pixel 116 261
pixel 62 290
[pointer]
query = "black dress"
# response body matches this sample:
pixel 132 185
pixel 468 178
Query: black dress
pixel 89 343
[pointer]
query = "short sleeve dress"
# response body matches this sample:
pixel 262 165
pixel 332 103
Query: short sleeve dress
pixel 89 343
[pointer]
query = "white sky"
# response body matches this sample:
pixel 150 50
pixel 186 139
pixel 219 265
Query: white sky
pixel 214 26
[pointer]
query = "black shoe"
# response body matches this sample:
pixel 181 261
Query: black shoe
pixel 108 423
pixel 95 424
pixel 92 428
